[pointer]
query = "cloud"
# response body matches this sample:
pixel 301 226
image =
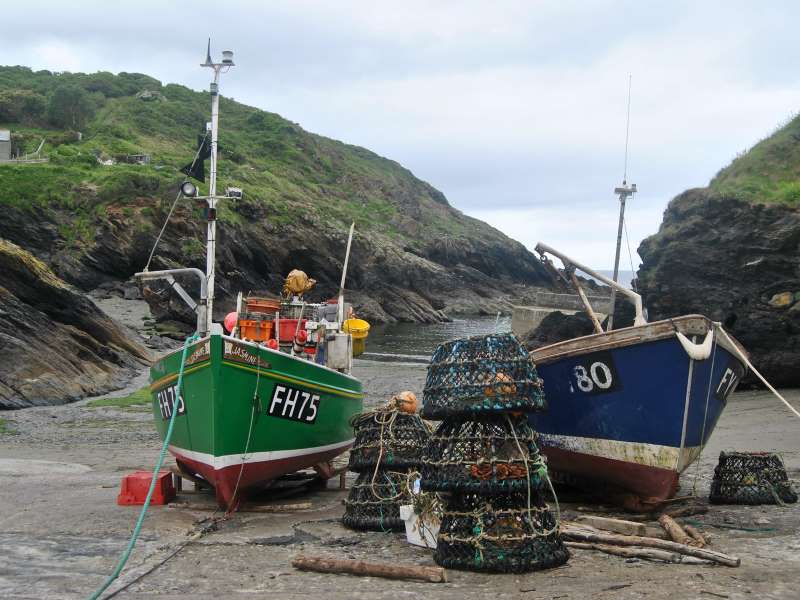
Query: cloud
pixel 514 109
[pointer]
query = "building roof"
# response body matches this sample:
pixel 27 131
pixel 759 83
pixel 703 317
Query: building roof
pixel 5 135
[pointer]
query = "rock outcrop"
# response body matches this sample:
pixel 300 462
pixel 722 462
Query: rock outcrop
pixel 56 345
pixel 736 262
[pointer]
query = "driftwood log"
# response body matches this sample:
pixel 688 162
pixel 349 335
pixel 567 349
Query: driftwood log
pixel 368 569
pixel 255 508
pixel 675 531
pixel 645 553
pixel 581 535
pixel 701 539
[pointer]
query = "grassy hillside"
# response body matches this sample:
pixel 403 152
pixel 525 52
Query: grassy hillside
pixel 93 217
pixel 768 172
pixel 280 166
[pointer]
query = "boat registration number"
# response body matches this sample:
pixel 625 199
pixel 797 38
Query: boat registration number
pixel 166 402
pixel 594 374
pixel 294 404
pixel 730 378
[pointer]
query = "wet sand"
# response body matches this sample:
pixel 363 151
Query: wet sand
pixel 61 531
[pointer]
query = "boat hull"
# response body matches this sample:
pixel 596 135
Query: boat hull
pixel 248 415
pixel 629 409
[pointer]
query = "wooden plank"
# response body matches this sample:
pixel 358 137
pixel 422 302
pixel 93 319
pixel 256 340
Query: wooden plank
pixel 572 533
pixel 368 569
pixel 632 552
pixel 613 525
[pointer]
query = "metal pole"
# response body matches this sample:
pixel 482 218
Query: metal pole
pixel 340 310
pixel 622 198
pixel 211 233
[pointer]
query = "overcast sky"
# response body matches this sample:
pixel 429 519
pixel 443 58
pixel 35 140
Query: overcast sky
pixel 515 110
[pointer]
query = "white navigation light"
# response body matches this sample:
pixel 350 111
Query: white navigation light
pixel 188 189
pixel 227 57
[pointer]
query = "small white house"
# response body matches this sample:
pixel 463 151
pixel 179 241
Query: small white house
pixel 5 144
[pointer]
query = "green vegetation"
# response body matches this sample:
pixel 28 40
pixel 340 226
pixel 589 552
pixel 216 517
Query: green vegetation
pixel 768 172
pixel 286 173
pixel 137 398
pixel 4 426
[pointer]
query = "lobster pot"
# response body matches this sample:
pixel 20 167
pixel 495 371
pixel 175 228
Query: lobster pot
pixel 501 534
pixel 390 438
pixel 480 375
pixel 490 455
pixel 751 478
pixel 375 505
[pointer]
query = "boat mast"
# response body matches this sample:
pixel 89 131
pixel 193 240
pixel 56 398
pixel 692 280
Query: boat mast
pixel 211 231
pixel 624 192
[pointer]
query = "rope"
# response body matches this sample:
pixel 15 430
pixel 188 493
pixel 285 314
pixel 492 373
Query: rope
pixel 172 209
pixel 705 416
pixel 630 256
pixel 256 402
pixel 547 478
pixel 718 327
pixel 138 527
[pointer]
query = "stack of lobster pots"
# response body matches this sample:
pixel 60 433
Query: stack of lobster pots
pixel 386 454
pixel 483 458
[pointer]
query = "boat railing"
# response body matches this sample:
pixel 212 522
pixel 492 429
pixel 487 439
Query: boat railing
pixel 571 264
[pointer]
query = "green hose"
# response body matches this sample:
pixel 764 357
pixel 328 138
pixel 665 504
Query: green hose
pixel 137 529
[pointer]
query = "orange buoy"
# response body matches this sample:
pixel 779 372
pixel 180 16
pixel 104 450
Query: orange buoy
pixel 405 402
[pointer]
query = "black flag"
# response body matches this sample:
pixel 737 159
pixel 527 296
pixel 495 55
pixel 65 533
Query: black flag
pixel 196 169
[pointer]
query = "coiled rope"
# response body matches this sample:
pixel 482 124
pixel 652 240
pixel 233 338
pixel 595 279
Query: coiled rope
pixel 138 527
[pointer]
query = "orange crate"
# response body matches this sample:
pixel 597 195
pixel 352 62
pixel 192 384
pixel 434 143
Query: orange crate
pixel 256 330
pixel 262 305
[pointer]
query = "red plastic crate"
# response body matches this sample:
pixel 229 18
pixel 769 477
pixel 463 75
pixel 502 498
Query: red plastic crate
pixel 133 491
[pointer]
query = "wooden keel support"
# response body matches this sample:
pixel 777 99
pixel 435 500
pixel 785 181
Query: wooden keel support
pixel 579 535
pixel 368 569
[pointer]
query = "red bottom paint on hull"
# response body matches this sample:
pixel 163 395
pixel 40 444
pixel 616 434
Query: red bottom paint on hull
pixel 651 484
pixel 253 473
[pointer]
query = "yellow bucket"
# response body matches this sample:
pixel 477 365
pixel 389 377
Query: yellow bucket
pixel 359 330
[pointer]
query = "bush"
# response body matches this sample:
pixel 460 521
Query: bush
pixel 21 106
pixel 69 107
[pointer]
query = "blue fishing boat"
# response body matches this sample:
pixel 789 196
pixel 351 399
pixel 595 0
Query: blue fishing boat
pixel 630 409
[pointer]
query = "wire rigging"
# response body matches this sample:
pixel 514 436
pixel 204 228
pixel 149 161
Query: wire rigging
pixel 172 208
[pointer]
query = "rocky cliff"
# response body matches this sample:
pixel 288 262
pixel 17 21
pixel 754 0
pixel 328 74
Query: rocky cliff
pixel 56 345
pixel 737 262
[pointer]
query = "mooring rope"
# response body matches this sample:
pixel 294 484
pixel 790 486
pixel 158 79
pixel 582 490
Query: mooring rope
pixel 138 527
pixel 718 327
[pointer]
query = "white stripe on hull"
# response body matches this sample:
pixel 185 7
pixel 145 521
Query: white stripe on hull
pixel 650 455
pixel 228 460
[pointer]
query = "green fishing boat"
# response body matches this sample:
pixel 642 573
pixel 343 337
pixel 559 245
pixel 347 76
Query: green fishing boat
pixel 274 393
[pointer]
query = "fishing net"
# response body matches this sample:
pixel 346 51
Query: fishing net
pixel 387 437
pixel 751 478
pixel 483 374
pixel 498 534
pixel 493 454
pixel 374 501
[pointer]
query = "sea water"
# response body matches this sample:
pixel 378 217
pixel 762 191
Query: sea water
pixel 415 342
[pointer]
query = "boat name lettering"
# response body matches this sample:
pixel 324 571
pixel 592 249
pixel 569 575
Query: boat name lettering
pixel 594 374
pixel 166 402
pixel 238 353
pixel 292 403
pixel 730 378
pixel 200 353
